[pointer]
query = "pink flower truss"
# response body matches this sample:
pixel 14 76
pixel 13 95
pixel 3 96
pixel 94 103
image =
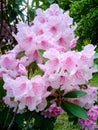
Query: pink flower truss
pixel 52 111
pixel 91 122
pixel 65 69
pixel 30 93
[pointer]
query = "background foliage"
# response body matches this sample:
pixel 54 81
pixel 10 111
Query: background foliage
pixel 85 14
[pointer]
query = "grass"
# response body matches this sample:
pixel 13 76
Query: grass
pixel 62 123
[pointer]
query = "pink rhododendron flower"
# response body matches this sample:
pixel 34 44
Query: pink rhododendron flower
pixel 25 38
pixel 8 61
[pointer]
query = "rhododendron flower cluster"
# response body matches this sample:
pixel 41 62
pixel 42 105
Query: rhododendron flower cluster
pixel 28 93
pixel 30 77
pixel 91 122
pixel 52 111
pixel 68 69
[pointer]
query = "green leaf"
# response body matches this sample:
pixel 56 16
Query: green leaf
pixel 20 118
pixel 21 15
pixel 74 109
pixel 43 123
pixel 40 53
pixel 96 56
pixel 47 124
pixel 51 1
pixel 33 70
pixel 75 94
pixel 38 120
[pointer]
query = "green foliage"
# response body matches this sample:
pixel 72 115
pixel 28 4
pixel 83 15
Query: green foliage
pixel 63 123
pixel 75 94
pixel 6 116
pixel 20 119
pixel 74 109
pixel 33 70
pixel 96 60
pixel 11 12
pixel 15 10
pixel 96 56
pixel 3 114
pixel 85 14
pixel 94 80
pixel 43 123
pixel 2 91
pixel 40 53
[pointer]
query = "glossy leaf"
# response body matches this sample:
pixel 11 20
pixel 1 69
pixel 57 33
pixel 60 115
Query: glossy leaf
pixel 75 94
pixel 74 109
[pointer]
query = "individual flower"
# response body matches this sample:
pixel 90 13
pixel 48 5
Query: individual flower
pixel 25 37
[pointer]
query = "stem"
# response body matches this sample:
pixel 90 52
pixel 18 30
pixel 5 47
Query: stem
pixel 11 123
pixel 28 11
pixel 1 19
pixel 37 4
pixel 28 121
pixel 6 119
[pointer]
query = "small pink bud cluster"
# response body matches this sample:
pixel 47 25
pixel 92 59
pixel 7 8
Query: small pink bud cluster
pixel 52 111
pixel 91 122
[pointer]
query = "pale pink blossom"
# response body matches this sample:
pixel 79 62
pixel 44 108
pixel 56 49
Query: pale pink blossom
pixel 8 61
pixel 26 38
pixel 54 10
pixel 87 54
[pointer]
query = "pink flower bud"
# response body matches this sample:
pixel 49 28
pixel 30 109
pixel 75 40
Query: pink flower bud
pixel 72 43
pixel 22 69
